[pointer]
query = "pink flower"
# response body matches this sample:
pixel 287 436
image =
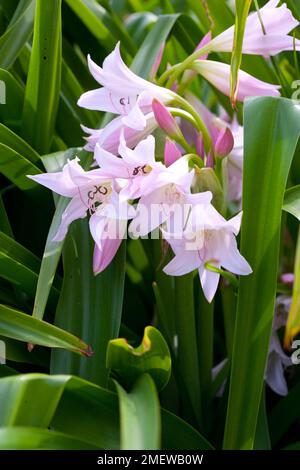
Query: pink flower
pixel 90 192
pixel 171 153
pixel 207 238
pixel 277 22
pixel 218 74
pixel 109 137
pixel 123 92
pixel 133 168
pixel 167 197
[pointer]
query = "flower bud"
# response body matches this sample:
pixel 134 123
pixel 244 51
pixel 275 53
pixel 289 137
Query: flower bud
pixel 166 121
pixel 200 146
pixel 172 153
pixel 224 143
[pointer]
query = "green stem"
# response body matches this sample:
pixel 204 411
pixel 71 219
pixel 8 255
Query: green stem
pixel 199 122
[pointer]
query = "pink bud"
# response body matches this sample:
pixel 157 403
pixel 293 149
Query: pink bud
pixel 157 62
pixel 172 153
pixel 165 120
pixel 202 43
pixel 200 146
pixel 287 278
pixel 224 143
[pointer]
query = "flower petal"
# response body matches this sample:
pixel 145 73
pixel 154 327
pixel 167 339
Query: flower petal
pixel 75 210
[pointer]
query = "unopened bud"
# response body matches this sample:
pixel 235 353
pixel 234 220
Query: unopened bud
pixel 166 121
pixel 171 153
pixel 224 143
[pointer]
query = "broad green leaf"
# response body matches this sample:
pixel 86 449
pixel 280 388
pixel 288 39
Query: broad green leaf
pixel 19 266
pixel 187 343
pixel 14 95
pixel 242 9
pixel 28 438
pixel 43 81
pixel 17 33
pixel 80 409
pixel 13 141
pixel 89 306
pixel 291 201
pixel 183 27
pixel 140 415
pixel 276 123
pixel 151 357
pixel 18 325
pixel 5 226
pixel 53 162
pixel 16 168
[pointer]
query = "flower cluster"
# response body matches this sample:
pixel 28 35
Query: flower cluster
pixel 178 193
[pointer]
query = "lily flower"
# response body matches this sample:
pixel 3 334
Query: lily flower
pixel 108 138
pixel 91 192
pixel 166 197
pixel 218 74
pixel 207 238
pixel 123 92
pixel 265 35
pixel 132 168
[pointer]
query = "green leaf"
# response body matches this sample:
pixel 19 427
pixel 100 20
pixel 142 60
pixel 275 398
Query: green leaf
pixel 27 438
pixel 293 322
pixel 53 162
pixel 152 357
pixel 80 409
pixel 183 27
pixel 89 306
pixel 43 81
pixel 291 201
pixel 276 123
pixel 18 325
pixel 14 94
pixel 13 141
pixel 242 9
pixel 140 416
pixel 91 14
pixel 18 32
pixel 16 168
pixel 19 266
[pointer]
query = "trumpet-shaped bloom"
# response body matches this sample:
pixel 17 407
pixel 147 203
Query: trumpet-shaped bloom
pixel 133 168
pixel 207 238
pixel 108 138
pixel 167 197
pixel 123 92
pixel 277 22
pixel 218 74
pixel 91 192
